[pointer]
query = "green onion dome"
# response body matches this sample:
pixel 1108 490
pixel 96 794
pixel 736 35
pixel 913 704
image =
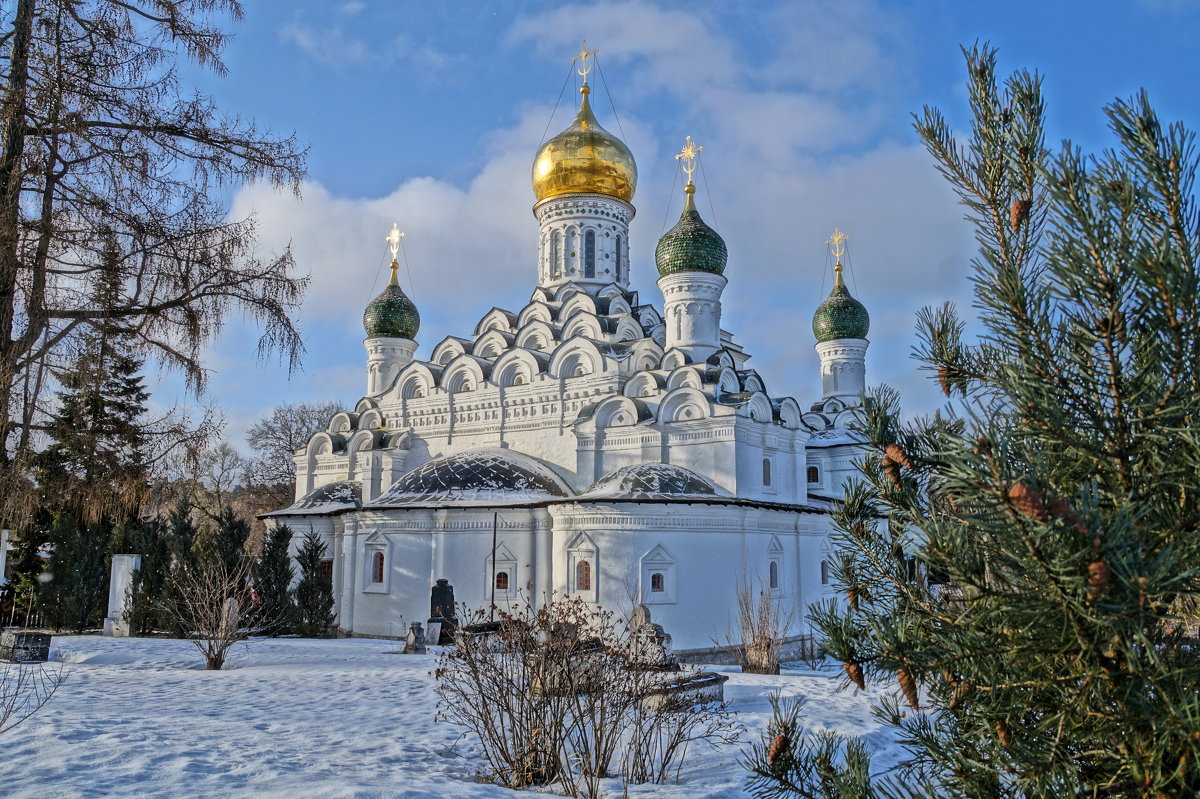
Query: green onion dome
pixel 392 314
pixel 690 246
pixel 840 316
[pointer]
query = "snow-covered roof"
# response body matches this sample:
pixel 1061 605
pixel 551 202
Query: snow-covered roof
pixel 480 476
pixel 330 498
pixel 651 481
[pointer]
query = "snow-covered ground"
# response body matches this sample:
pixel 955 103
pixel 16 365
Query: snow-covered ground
pixel 139 717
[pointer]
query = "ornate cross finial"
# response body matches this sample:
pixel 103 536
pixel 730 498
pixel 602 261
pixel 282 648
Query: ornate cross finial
pixel 584 54
pixel 837 244
pixel 393 240
pixel 688 156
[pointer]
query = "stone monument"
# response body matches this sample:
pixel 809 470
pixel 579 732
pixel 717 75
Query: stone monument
pixel 442 610
pixel 414 642
pixel 120 594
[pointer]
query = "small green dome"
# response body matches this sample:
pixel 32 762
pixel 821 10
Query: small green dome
pixel 840 316
pixel 690 246
pixel 392 314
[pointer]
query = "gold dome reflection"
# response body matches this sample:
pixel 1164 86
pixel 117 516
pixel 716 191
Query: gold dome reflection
pixel 584 159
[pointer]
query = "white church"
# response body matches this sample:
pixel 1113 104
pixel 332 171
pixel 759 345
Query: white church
pixel 592 443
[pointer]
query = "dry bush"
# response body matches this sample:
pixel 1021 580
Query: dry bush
pixel 212 599
pixel 555 697
pixel 762 626
pixel 24 689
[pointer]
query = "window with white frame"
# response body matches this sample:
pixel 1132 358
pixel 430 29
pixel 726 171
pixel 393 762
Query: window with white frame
pixel 583 568
pixel 376 566
pixel 658 578
pixel 503 576
pixel 775 565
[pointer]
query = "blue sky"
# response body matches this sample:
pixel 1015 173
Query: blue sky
pixel 429 113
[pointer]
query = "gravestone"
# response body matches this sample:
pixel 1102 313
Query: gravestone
pixel 120 594
pixel 22 646
pixel 650 643
pixel 414 642
pixel 442 610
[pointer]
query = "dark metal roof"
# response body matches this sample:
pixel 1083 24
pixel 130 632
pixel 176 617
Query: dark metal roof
pixel 650 481
pixel 482 476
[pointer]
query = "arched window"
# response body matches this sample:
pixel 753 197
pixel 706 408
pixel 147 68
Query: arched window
pixel 774 574
pixel 555 263
pixel 377 567
pixel 618 257
pixel 814 474
pixel 583 576
pixel 766 471
pixel 658 583
pixel 589 254
pixel 501 581
pixel 824 572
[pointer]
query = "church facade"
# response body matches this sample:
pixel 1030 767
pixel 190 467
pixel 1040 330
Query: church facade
pixel 593 442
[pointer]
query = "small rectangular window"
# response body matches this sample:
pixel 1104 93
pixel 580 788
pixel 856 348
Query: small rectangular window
pixel 824 572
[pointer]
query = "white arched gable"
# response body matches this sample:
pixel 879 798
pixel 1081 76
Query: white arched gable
pixel 366 403
pixel 537 335
pixel 683 405
pixel 447 350
pixel 540 295
pixel 643 384
pixel 752 382
pixel 645 354
pixel 342 422
pixel 576 358
pixel 515 368
pixel 583 324
pixel 568 290
pixel 491 344
pixel 535 312
pixel 610 290
pixel 579 303
pixel 674 358
pixel 627 330
pixel 617 412
pixel 618 305
pixel 325 443
pixel 370 420
pixel 495 319
pixel 415 380
pixel 758 408
pixel 684 377
pixel 721 358
pixel 790 413
pixel 464 373
pixel 727 382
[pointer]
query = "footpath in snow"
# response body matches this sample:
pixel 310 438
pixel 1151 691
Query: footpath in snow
pixel 336 719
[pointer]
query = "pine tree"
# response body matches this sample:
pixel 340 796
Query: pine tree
pixel 314 592
pixel 277 609
pixel 1053 510
pixel 75 595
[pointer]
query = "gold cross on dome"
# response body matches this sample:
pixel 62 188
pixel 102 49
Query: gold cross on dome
pixel 393 240
pixel 584 54
pixel 688 155
pixel 837 242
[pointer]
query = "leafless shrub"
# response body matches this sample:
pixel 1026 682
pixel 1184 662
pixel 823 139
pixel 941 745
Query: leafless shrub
pixel 24 689
pixel 212 598
pixel 554 697
pixel 762 626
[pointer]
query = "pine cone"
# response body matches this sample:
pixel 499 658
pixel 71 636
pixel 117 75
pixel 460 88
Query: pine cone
pixel 1065 512
pixel 943 376
pixel 1027 500
pixel 1002 732
pixel 1098 575
pixel 961 689
pixel 899 456
pixel 778 747
pixel 892 469
pixel 909 686
pixel 852 599
pixel 1019 213
pixel 855 673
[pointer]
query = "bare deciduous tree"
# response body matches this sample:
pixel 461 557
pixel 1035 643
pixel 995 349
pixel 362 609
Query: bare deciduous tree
pixel 275 439
pixel 24 689
pixel 110 174
pixel 211 599
pixel 762 628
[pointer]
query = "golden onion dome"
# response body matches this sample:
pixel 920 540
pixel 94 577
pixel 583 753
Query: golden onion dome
pixel 584 159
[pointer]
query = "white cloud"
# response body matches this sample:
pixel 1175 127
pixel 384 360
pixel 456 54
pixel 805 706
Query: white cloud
pixel 332 47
